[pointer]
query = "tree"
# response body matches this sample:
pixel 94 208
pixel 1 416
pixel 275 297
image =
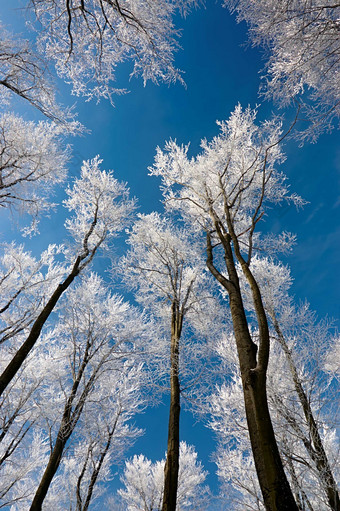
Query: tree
pixel 227 419
pixel 32 162
pixel 89 387
pixel 301 39
pixel 164 266
pixel 225 191
pixel 143 481
pixel 101 209
pixel 88 40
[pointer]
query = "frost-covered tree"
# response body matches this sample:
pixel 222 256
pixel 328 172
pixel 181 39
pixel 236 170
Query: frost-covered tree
pixel 87 40
pixel 302 399
pixel 89 386
pixel 225 192
pixel 165 267
pixel 101 209
pixel 301 39
pixel 25 284
pixel 98 332
pixel 32 162
pixel 144 482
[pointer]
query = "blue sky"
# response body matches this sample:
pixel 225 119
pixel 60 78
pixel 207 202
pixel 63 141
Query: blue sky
pixel 220 71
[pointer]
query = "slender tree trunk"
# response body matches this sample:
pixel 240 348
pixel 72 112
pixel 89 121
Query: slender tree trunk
pixel 96 470
pixel 23 352
pixel 172 459
pixel 316 450
pixel 81 261
pixel 276 492
pixel 51 469
pixel 68 423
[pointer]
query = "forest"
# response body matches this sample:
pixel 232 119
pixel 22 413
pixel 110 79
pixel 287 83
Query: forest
pixel 169 329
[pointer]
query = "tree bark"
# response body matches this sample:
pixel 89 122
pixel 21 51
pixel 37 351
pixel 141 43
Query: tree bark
pixel 277 494
pixel 172 459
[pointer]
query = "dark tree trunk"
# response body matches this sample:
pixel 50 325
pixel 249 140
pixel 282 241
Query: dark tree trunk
pixel 51 469
pixel 81 261
pixel 172 458
pixel 23 352
pixel 277 494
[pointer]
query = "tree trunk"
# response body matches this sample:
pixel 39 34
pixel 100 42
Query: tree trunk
pixel 96 470
pixel 276 492
pixel 23 352
pixel 275 488
pixel 172 459
pixel 81 261
pixel 51 469
pixel 316 451
pixel 68 423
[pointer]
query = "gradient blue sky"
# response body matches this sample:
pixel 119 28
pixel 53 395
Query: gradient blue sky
pixel 220 71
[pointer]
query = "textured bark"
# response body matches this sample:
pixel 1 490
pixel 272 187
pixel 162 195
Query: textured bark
pixel 277 494
pixel 172 458
pixel 315 448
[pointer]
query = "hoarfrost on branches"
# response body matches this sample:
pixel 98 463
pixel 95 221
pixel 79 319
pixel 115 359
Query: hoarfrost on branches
pixel 100 204
pixel 25 74
pixel 301 40
pixel 143 482
pixel 25 284
pixel 32 163
pixel 233 179
pixel 163 262
pixel 87 42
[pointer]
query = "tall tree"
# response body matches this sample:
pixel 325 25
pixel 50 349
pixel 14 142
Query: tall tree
pixel 309 332
pixel 101 209
pixel 165 267
pixel 307 475
pixel 225 191
pixel 90 386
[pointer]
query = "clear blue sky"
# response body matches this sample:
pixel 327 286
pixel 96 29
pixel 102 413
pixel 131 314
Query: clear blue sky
pixel 220 71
